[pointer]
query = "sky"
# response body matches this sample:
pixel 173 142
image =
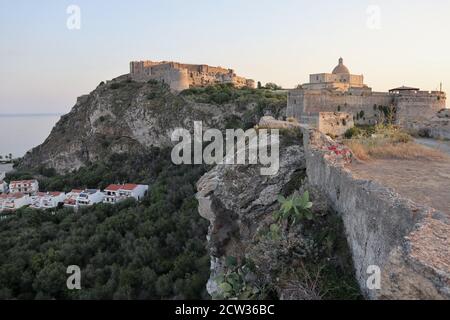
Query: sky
pixel 45 65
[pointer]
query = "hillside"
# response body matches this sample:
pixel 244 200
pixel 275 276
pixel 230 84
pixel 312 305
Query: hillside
pixel 123 116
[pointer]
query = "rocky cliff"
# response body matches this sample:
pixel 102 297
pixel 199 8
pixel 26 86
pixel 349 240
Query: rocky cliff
pixel 123 116
pixel 404 244
pixel 249 251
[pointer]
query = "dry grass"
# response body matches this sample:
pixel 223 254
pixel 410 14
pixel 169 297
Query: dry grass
pixel 365 149
pixel 389 142
pixel 358 149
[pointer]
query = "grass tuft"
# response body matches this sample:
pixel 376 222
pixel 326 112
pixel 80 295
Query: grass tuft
pixel 388 142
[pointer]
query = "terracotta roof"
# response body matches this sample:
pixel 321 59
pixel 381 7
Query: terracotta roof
pixel 16 195
pixel 113 187
pixel 129 186
pixel 23 181
pixel 76 191
pixel 116 187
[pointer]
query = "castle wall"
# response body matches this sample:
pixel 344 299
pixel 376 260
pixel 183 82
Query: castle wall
pixel 362 107
pixel 183 76
pixel 418 107
pixel 381 228
pixel 335 123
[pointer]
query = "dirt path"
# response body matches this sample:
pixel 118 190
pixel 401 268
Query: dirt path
pixel 422 181
pixel 443 146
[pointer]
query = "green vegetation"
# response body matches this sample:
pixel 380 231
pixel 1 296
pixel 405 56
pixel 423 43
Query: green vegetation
pixel 155 249
pixel 7 158
pixel 391 132
pixel 272 86
pixel 294 209
pixel 386 142
pixel 238 282
pixel 310 259
pixel 255 103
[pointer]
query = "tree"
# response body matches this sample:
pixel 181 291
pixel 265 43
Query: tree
pixel 273 86
pixel 259 85
pixel 132 250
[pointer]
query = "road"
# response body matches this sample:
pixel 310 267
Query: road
pixel 443 146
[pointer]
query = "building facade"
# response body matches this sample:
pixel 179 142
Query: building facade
pixel 14 201
pixel 340 91
pixel 47 200
pixel 115 193
pixel 180 76
pixel 89 197
pixel 29 187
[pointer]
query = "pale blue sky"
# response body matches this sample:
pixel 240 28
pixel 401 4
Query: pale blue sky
pixel 44 66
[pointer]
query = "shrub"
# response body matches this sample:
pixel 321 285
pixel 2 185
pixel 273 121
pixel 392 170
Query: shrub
pixel 115 85
pixel 352 132
pixel 234 284
pixel 294 209
pixel 273 86
pixel 152 82
pixel 292 120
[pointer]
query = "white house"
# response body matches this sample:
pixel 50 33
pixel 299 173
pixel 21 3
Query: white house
pixel 29 187
pixel 117 192
pixel 14 201
pixel 47 200
pixel 71 199
pixel 90 197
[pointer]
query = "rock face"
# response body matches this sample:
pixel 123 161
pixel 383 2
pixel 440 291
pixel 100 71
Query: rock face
pixel 407 242
pixel 437 127
pixel 240 204
pixel 124 116
pixel 237 200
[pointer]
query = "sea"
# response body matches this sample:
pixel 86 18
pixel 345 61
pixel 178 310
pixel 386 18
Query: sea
pixel 22 132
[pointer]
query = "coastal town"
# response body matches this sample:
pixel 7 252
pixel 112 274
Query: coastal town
pixel 25 193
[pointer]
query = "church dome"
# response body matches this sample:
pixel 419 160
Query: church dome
pixel 341 69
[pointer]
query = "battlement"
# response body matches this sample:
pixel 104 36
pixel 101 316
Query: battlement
pixel 180 76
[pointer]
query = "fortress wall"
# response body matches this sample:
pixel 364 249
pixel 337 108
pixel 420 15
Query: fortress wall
pixel 335 123
pixel 182 76
pixel 177 79
pixel 295 104
pixel 382 228
pixel 312 102
pixel 418 107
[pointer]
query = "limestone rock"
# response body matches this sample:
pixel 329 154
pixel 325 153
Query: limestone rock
pixel 237 200
pixel 124 116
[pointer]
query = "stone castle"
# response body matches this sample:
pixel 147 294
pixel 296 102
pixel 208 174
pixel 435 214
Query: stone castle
pixel 341 91
pixel 181 76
